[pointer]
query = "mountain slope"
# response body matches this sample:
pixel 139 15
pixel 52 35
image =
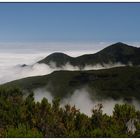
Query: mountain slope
pixel 116 53
pixel 119 82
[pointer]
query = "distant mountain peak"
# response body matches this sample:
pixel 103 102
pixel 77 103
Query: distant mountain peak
pixel 58 54
pixel 119 47
pixel 120 44
pixel 59 58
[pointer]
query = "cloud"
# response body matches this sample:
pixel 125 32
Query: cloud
pixel 17 72
pixel 10 73
pixel 83 100
pixel 41 93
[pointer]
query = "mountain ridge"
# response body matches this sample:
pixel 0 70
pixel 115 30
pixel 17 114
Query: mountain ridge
pixel 115 53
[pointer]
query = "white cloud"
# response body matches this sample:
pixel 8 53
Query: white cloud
pixel 41 93
pixel 82 100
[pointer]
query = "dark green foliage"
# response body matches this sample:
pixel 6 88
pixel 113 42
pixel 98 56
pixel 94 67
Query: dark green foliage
pixel 23 131
pixel 23 117
pixel 120 82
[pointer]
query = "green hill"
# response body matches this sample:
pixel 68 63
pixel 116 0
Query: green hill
pixel 119 82
pixel 116 53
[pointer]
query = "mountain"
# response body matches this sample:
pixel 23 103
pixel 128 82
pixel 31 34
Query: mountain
pixel 59 58
pixel 116 53
pixel 116 83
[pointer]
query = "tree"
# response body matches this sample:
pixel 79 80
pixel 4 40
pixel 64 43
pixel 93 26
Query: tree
pixel 23 131
pixel 122 114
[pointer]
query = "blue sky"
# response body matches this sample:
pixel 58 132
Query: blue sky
pixel 69 22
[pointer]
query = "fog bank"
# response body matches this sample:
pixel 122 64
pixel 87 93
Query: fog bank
pixel 41 93
pixel 10 73
pixel 83 100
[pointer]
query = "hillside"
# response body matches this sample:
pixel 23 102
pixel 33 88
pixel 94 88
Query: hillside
pixel 116 53
pixel 119 82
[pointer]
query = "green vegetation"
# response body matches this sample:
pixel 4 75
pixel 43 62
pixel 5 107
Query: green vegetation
pixel 119 82
pixel 23 117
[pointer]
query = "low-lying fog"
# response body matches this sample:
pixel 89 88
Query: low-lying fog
pixel 11 73
pixel 82 100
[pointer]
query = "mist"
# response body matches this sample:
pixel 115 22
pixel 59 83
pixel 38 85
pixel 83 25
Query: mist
pixel 41 93
pixel 82 100
pixel 10 73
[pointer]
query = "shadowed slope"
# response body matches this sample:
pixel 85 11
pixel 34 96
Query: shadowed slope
pixel 120 82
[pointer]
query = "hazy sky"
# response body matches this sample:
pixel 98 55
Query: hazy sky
pixel 69 22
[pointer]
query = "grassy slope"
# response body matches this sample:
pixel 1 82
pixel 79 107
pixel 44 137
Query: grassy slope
pixel 115 82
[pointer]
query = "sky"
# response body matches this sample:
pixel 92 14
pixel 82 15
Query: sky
pixel 69 22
